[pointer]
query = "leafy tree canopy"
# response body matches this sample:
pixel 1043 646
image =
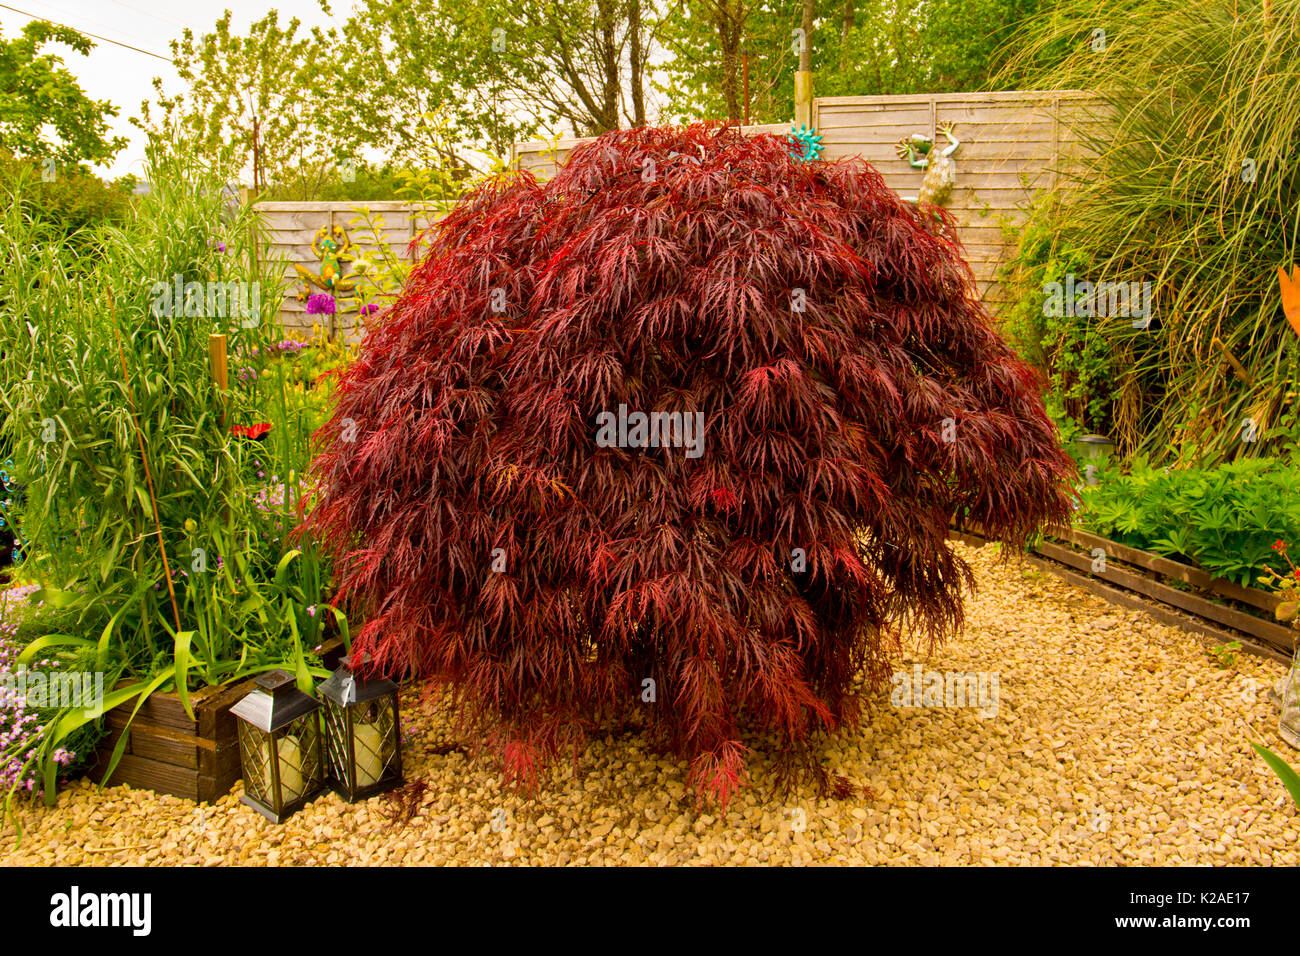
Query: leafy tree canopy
pixel 271 87
pixel 43 110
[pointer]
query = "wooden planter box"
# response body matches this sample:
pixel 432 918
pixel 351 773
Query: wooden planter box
pixel 169 752
pixel 1204 604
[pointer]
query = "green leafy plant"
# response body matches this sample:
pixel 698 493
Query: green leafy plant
pixel 1225 655
pixel 1225 518
pixel 381 270
pixel 72 201
pixel 1072 350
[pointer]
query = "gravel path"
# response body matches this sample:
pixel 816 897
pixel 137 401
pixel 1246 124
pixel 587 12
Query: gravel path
pixel 1116 739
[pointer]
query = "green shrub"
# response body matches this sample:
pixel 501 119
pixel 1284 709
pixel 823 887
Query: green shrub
pixel 1225 518
pixel 73 200
pixel 1071 350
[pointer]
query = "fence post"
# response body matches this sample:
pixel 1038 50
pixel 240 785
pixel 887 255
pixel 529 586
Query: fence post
pixel 333 325
pixel 1056 139
pixel 803 98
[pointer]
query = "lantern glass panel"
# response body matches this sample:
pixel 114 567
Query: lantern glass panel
pixel 371 726
pixel 299 751
pixel 254 745
pixel 297 766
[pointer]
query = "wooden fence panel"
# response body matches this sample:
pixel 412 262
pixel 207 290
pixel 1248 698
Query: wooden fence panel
pixel 292 226
pixel 1012 143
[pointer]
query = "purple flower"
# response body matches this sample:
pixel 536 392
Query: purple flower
pixel 219 245
pixel 20 727
pixel 321 304
pixel 370 309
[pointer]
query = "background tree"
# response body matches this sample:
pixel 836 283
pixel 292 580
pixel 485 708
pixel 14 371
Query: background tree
pixel 919 46
pixel 708 40
pixel 496 71
pixel 857 48
pixel 37 96
pixel 271 87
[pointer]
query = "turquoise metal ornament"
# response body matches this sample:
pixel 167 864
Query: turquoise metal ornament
pixel 805 143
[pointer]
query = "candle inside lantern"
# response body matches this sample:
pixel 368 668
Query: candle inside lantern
pixel 290 754
pixel 369 742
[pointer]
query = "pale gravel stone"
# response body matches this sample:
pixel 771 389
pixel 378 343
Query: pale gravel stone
pixel 1117 740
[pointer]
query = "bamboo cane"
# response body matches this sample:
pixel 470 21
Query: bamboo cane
pixel 148 475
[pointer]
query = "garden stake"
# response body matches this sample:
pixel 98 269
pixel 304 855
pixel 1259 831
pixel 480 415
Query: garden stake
pixel 148 476
pixel 221 376
pixel 220 371
pixel 744 58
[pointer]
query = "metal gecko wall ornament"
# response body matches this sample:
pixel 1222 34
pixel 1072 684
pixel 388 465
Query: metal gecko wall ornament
pixel 334 249
pixel 940 171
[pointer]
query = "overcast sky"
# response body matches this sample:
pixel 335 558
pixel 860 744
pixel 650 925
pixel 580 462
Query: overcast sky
pixel 124 77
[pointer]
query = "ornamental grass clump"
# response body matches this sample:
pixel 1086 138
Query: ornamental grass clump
pixel 679 432
pixel 1185 180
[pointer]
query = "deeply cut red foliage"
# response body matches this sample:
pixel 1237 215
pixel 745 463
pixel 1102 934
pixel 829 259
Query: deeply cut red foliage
pixel 824 333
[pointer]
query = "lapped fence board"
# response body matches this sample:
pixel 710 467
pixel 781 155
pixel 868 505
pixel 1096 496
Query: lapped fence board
pixel 291 226
pixel 1012 143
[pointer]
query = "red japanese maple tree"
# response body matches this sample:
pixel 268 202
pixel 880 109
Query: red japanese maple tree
pixel 500 534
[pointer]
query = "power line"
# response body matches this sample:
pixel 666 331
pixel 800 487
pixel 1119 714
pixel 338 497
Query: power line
pixel 95 36
pixel 81 17
pixel 175 23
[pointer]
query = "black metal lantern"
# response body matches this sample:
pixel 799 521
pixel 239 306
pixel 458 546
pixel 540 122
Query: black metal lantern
pixel 279 746
pixel 362 737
